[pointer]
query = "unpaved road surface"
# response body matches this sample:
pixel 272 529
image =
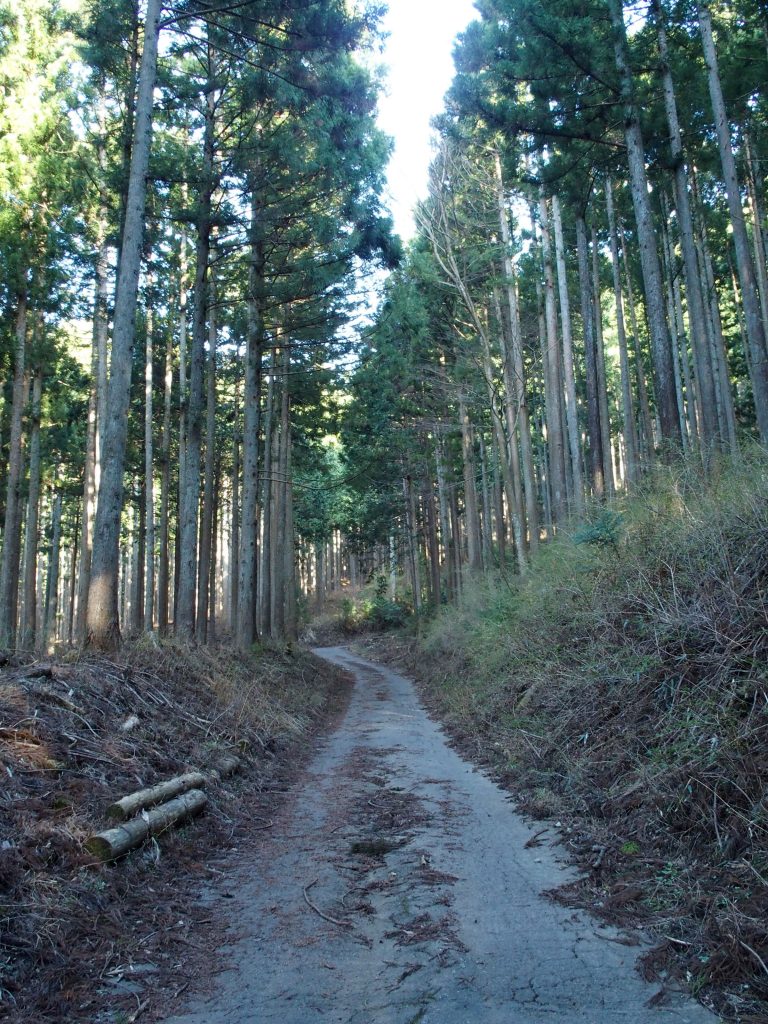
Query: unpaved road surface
pixel 395 887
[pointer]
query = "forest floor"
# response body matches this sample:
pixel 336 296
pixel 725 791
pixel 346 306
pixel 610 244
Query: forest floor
pixel 398 885
pixel 84 941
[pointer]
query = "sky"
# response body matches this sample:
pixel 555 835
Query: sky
pixel 418 57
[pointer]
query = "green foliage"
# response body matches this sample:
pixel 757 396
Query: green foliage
pixel 604 531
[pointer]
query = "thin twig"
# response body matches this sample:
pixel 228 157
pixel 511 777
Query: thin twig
pixel 317 910
pixel 755 954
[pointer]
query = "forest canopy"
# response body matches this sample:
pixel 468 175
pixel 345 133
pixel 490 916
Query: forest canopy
pixel 201 433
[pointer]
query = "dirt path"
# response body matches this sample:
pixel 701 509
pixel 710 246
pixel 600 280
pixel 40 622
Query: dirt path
pixel 396 887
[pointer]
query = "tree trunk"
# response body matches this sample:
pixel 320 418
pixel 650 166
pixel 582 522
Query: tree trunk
pixel 514 372
pixel 149 470
pixel 596 461
pixel 189 508
pixel 289 550
pixel 751 302
pixel 697 315
pixel 96 410
pixel 571 408
pixel 103 622
pixel 246 631
pixel 649 256
pixel 413 542
pixel 207 518
pixel 52 590
pixel 724 398
pixel 163 576
pixel 11 555
pixel 627 405
pixel 602 375
pixel 234 545
pixel 265 558
pixel 471 516
pixel 31 536
pixel 278 518
pixel 553 382
pixel 642 390
pixel 507 471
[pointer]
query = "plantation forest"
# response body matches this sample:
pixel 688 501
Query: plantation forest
pixel 240 415
pixel 203 430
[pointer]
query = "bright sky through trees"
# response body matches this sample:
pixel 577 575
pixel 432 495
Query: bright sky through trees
pixel 418 56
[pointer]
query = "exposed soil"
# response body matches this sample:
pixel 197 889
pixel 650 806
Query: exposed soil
pixel 81 941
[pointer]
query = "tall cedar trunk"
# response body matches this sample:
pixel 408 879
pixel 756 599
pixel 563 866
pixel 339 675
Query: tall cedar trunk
pixel 471 516
pixel 602 376
pixel 183 384
pixel 487 519
pixel 189 507
pixel 758 221
pixel 278 517
pixel 103 620
pixel 96 400
pixel 649 257
pixel 163 573
pixel 208 518
pixel 52 589
pixel 72 586
pixel 514 372
pixel 756 337
pixel 498 503
pixel 213 558
pixel 234 536
pixel 668 270
pixel 11 555
pixel 553 381
pixel 697 315
pixel 642 390
pixel 596 461
pixel 433 546
pixel 447 534
pixel 265 555
pixel 140 547
pixel 507 471
pixel 246 630
pixel 149 469
pixel 542 448
pixel 319 577
pixel 677 316
pixel 289 552
pixel 571 408
pixel 724 398
pixel 508 447
pixel 31 536
pixel 132 101
pixel 413 542
pixel 627 405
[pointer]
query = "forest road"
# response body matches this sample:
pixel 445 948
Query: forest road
pixel 395 887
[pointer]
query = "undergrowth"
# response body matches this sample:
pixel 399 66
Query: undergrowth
pixel 624 683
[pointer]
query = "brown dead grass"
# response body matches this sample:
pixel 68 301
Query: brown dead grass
pixel 81 941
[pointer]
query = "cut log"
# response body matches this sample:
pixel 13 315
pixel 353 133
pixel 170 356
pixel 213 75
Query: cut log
pixel 131 804
pixel 225 767
pixel 115 842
